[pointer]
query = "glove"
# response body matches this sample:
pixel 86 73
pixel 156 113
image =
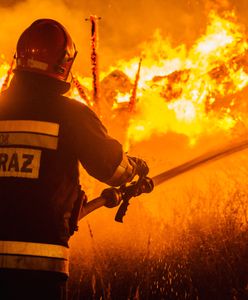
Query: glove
pixel 140 167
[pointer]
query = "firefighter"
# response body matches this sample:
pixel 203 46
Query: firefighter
pixel 43 137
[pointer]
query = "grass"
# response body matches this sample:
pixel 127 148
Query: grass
pixel 199 253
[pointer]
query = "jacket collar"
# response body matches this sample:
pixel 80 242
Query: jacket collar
pixel 32 83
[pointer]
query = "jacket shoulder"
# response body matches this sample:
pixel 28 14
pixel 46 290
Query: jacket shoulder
pixel 75 108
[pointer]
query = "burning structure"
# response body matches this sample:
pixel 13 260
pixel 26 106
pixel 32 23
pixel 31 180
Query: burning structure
pixel 191 91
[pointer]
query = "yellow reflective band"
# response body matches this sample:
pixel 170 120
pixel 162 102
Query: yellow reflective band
pixel 29 126
pixel 34 249
pixel 36 64
pixel 22 262
pixel 28 139
pixel 19 162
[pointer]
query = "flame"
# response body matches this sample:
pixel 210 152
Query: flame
pixel 122 98
pixel 190 91
pixel 4 68
pixel 178 87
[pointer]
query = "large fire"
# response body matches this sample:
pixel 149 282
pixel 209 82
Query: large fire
pixel 191 91
pixel 188 91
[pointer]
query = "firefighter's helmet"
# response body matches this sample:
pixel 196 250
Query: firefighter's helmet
pixel 46 47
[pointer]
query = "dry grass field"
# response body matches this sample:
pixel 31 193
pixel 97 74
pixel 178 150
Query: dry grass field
pixel 186 240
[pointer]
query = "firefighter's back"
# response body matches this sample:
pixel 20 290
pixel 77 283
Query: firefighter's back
pixel 38 183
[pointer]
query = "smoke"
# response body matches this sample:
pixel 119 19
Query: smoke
pixel 124 24
pixel 217 4
pixel 18 16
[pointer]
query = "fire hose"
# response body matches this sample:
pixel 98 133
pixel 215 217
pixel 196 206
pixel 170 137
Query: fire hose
pixel 123 194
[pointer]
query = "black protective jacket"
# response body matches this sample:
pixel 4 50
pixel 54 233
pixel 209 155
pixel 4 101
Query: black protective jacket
pixel 43 136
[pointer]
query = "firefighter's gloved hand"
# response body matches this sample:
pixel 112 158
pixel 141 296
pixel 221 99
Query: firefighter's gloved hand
pixel 140 167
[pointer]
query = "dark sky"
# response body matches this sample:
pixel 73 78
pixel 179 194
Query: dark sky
pixel 124 25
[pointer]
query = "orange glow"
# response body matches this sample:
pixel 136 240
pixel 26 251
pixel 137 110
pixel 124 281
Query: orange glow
pixel 187 91
pixel 191 97
pixel 180 87
pixel 4 68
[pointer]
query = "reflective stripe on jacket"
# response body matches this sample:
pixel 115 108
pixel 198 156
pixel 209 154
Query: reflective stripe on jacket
pixel 34 256
pixel 43 137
